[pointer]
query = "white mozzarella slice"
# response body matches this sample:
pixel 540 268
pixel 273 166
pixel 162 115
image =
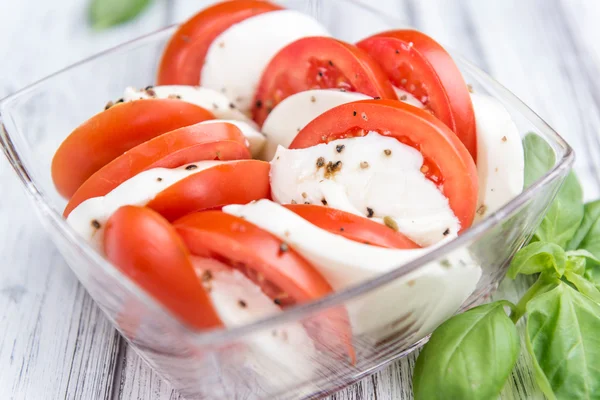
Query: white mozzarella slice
pixel 346 263
pixel 138 191
pixel 237 57
pixel 285 352
pixel 500 159
pixel 377 176
pixel 210 99
pixel 255 140
pixel 295 112
pixel 408 98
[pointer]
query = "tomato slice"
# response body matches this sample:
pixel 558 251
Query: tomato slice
pixel 112 132
pixel 182 61
pixel 265 259
pixel 145 247
pixel 418 64
pixel 446 160
pixel 237 182
pixel 351 226
pixel 318 63
pixel 218 141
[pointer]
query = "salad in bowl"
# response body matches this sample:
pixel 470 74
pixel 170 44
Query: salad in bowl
pixel 280 211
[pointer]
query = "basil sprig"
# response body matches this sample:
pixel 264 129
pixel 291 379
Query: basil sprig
pixel 471 355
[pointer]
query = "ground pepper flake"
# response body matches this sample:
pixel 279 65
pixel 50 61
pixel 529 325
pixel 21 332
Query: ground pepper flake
pixel 339 148
pixel 446 232
pixel 354 113
pixel 332 168
pixel 342 229
pixel 387 152
pixel 231 105
pixel 324 201
pixel 320 162
pixel 191 167
pixel 159 179
pixel 283 247
pixel 96 224
pixel 258 104
pixel 242 303
pixel 370 212
pixel 403 97
pixel 390 223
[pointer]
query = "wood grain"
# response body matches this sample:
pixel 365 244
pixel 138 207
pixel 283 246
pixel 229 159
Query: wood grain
pixel 55 343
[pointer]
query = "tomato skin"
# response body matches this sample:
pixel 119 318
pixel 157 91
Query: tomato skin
pixel 232 183
pixel 353 227
pixel 145 247
pixel 318 62
pixel 215 234
pixel 183 58
pixel 418 64
pixel 111 133
pixel 199 142
pixel 448 162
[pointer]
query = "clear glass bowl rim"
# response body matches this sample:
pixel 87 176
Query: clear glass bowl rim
pixel 218 336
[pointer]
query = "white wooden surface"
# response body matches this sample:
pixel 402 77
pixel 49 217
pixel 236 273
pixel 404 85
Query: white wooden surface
pixel 54 343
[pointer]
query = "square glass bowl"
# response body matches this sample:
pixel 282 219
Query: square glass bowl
pixel 292 354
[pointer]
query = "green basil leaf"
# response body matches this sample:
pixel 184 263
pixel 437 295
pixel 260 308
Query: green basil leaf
pixel 564 214
pixel 539 158
pixel 537 257
pixel 562 337
pixel 588 230
pixel 469 356
pixel 106 13
pixel 583 285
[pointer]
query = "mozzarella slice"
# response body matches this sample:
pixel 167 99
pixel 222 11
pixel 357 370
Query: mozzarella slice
pixel 500 159
pixel 408 98
pixel 285 352
pixel 374 175
pixel 237 57
pixel 138 191
pixel 293 113
pixel 255 140
pixel 212 100
pixel 346 263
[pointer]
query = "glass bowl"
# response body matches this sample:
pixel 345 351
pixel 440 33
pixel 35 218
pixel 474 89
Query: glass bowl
pixel 272 357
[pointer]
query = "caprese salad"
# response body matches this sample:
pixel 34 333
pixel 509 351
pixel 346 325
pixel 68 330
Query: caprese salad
pixel 273 164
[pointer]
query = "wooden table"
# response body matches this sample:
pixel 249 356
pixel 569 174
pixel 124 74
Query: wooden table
pixel 55 343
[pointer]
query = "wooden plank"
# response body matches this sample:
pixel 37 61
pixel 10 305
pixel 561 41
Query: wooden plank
pixel 54 342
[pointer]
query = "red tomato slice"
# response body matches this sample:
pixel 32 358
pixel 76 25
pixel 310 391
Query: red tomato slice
pixel 418 64
pixel 265 259
pixel 353 227
pixel 446 160
pixel 182 61
pixel 218 141
pixel 237 182
pixel 318 63
pixel 111 133
pixel 145 247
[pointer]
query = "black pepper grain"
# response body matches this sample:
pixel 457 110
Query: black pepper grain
pixel 354 113
pixel 159 179
pixel 191 167
pixel 387 152
pixel 242 303
pixel 370 212
pixel 331 63
pixel 324 201
pixel 277 301
pixel 258 104
pixel 231 105
pixel 339 148
pixel 446 232
pixel 96 224
pixel 283 247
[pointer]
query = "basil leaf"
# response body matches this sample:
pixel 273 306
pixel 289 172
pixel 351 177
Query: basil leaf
pixel 537 257
pixel 469 356
pixel 562 337
pixel 583 285
pixel 539 158
pixel 106 13
pixel 588 229
pixel 564 214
